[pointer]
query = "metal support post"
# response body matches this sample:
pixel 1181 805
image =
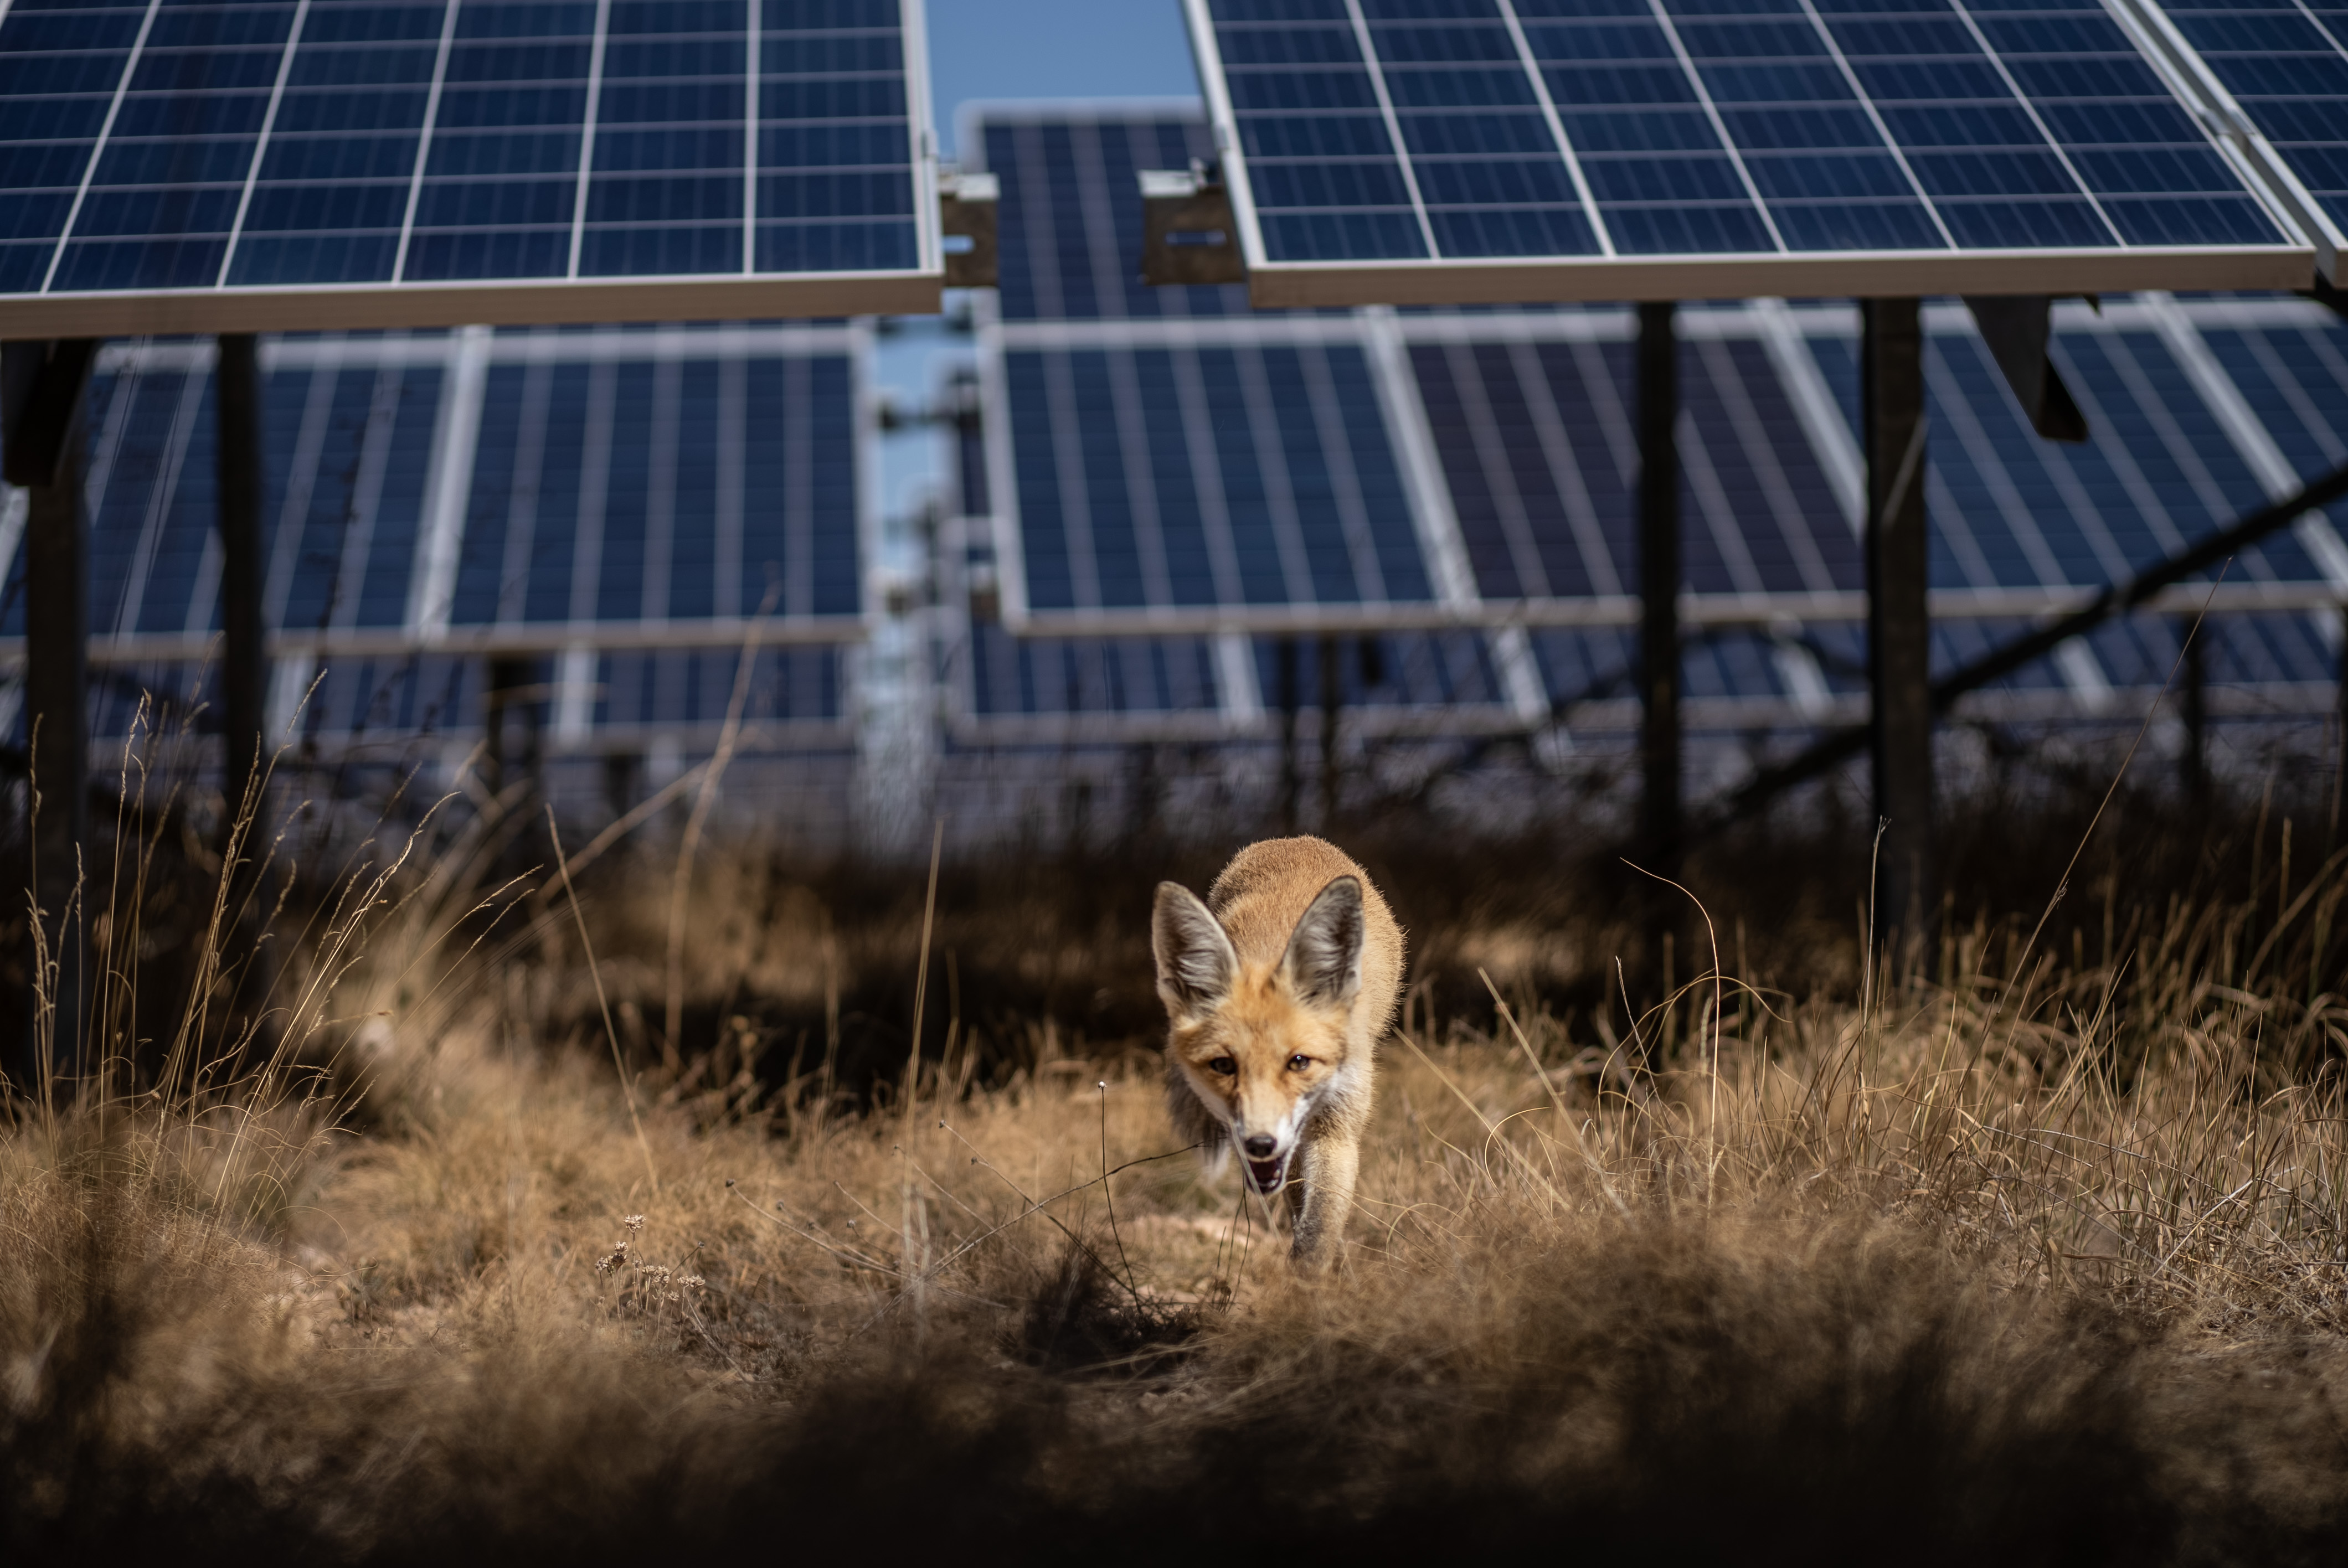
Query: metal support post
pixel 1659 587
pixel 2194 764
pixel 1331 699
pixel 244 632
pixel 42 385
pixel 1899 624
pixel 2339 775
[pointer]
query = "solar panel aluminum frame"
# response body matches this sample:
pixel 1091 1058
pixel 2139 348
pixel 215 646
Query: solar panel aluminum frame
pixel 2196 85
pixel 531 301
pixel 1845 274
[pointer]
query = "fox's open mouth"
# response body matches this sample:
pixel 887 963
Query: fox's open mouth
pixel 1264 1175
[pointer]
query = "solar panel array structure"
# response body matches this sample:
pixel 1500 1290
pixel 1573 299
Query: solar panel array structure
pixel 1166 466
pixel 1165 458
pixel 613 508
pixel 1449 150
pixel 273 164
pixel 2279 73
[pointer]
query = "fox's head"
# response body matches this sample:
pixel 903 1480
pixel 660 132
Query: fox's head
pixel 1260 1042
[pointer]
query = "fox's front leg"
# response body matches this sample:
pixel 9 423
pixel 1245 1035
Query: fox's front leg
pixel 1331 1165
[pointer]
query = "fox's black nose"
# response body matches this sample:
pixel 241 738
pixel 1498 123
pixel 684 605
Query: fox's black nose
pixel 1259 1147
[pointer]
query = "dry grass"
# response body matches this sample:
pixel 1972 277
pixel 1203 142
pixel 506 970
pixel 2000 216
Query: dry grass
pixel 2043 1257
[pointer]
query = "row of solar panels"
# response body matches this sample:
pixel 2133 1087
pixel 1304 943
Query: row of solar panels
pixel 206 165
pixel 623 508
pixel 1436 502
pixel 1163 458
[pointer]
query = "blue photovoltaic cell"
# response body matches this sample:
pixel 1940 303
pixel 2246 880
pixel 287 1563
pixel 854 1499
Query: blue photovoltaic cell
pixel 607 490
pixel 2009 510
pixel 1124 439
pixel 634 490
pixel 293 142
pixel 2286 63
pixel 1029 676
pixel 1380 129
pixel 1536 445
pixel 1261 476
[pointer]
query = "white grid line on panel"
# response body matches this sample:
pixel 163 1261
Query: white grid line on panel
pixel 1556 123
pixel 132 601
pixel 449 484
pixel 1377 75
pixel 1875 117
pixel 98 148
pixel 587 133
pixel 1719 125
pixel 1981 41
pixel 753 71
pixel 424 140
pixel 268 129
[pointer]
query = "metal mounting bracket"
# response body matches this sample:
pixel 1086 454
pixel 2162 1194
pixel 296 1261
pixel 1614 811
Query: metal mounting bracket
pixel 966 204
pixel 1188 232
pixel 2015 328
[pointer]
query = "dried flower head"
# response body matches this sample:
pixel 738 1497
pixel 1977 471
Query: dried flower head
pixel 635 1222
pixel 612 1261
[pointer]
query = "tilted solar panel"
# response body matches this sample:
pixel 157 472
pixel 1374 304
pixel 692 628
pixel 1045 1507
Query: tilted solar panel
pixel 616 507
pixel 1479 150
pixel 1510 437
pixel 294 164
pixel 2282 67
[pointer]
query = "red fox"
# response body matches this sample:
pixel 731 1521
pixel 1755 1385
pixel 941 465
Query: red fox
pixel 1277 990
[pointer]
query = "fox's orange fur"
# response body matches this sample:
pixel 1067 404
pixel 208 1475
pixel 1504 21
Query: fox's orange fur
pixel 1277 990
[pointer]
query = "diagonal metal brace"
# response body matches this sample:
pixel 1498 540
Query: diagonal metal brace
pixel 1832 750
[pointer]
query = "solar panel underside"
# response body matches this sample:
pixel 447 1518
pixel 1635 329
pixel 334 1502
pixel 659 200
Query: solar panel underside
pixel 292 164
pixel 1533 424
pixel 2285 64
pixel 615 509
pixel 1487 150
pixel 1492 455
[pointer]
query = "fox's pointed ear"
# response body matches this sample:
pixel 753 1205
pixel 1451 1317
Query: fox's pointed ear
pixel 1195 962
pixel 1323 964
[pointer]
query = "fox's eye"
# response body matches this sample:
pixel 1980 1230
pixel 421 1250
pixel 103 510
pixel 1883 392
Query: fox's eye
pixel 1299 1062
pixel 1224 1065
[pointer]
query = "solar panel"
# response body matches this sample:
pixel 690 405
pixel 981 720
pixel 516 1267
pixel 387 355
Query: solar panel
pixel 299 164
pixel 1163 462
pixel 616 508
pixel 1509 437
pixel 2280 74
pixel 1531 418
pixel 1484 151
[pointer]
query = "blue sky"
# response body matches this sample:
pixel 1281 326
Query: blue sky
pixel 1054 50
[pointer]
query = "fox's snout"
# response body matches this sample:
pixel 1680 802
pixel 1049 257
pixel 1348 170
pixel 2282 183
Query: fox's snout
pixel 1260 1147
